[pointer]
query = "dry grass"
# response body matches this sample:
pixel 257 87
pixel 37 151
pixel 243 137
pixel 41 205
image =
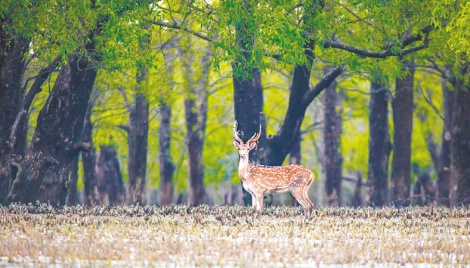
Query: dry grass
pixel 231 236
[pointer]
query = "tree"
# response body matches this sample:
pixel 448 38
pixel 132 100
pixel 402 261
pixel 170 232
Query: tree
pixel 460 147
pixel 379 145
pixel 332 130
pixel 13 46
pixel 454 19
pixel 167 166
pixel 56 140
pixel 195 104
pixel 111 187
pixel 50 154
pixel 402 107
pixel 443 170
pixel 137 138
pixel 89 159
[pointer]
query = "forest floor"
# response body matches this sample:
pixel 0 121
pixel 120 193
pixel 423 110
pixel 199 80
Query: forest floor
pixel 179 236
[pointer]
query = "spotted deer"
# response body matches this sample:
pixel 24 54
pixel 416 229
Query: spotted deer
pixel 261 180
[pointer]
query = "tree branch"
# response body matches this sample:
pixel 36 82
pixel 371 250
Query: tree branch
pixel 373 54
pixel 125 128
pixel 38 81
pixel 324 82
pixel 182 27
pixel 436 67
pixel 12 138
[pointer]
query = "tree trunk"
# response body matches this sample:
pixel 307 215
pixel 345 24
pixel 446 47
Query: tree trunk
pixel 56 140
pixel 167 168
pixel 138 145
pixel 331 134
pixel 89 161
pixel 443 169
pixel 11 96
pixel 111 187
pixel 379 145
pixel 402 107
pixel 138 128
pixel 195 145
pixel 357 201
pixel 460 144
pixel 196 116
pixel 73 196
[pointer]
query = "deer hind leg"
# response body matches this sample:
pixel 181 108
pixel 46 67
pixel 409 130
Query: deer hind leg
pixel 306 198
pixel 299 190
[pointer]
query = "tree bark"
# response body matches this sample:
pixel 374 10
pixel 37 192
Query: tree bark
pixel 12 64
pixel 331 134
pixel 357 201
pixel 138 145
pixel 379 145
pixel 167 167
pixel 460 144
pixel 443 168
pixel 111 187
pixel 73 196
pixel 402 107
pixel 89 161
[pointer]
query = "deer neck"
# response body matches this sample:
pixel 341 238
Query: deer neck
pixel 244 168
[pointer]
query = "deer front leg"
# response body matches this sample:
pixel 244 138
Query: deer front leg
pixel 259 201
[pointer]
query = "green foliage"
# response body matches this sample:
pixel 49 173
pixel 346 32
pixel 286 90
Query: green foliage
pixel 355 137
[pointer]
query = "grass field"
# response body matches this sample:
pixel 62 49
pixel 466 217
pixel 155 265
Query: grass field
pixel 236 236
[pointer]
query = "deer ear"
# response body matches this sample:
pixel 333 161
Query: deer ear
pixel 236 144
pixel 253 145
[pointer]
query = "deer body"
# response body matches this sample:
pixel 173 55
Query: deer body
pixel 262 180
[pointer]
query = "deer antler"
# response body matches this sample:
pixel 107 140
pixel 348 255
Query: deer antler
pixel 255 137
pixel 235 132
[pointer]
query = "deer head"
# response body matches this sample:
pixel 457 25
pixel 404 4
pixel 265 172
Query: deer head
pixel 244 148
